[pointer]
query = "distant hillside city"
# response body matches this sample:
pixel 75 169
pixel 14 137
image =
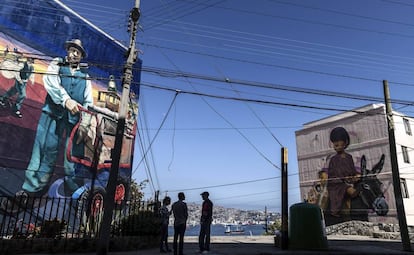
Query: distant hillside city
pixel 222 215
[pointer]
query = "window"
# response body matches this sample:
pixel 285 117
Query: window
pixel 405 154
pixel 407 126
pixel 404 189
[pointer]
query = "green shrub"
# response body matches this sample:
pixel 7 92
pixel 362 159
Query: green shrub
pixel 52 228
pixel 274 228
pixel 144 223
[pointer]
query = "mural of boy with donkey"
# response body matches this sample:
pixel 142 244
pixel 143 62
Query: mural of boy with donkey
pixel 343 192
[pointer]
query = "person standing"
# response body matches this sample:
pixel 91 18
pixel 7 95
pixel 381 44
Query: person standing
pixel 68 88
pixel 165 218
pixel 205 223
pixel 180 212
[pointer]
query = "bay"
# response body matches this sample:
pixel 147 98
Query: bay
pixel 219 230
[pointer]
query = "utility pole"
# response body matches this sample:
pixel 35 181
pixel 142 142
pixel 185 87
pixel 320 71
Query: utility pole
pixel 402 221
pixel 284 228
pixel 266 225
pixel 109 204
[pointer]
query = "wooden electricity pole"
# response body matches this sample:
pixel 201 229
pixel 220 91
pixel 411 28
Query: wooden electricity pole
pixel 109 204
pixel 284 227
pixel 402 221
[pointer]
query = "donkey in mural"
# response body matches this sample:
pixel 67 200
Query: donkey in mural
pixel 370 197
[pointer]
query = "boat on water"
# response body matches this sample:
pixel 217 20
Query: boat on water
pixel 234 229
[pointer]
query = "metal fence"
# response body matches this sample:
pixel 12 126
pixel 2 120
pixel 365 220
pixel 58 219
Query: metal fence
pixel 47 217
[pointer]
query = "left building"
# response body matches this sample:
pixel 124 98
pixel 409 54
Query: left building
pixel 37 31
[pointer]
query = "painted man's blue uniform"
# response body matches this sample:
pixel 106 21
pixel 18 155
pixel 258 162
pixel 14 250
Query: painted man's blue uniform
pixel 56 123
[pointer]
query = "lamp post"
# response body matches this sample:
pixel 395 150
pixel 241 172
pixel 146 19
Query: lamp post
pixel 103 243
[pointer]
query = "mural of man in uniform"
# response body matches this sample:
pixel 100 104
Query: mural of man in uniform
pixel 68 88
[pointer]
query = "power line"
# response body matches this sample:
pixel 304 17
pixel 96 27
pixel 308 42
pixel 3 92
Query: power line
pixel 286 67
pixel 145 160
pixel 221 35
pixel 234 128
pixel 172 74
pixel 398 2
pixel 182 13
pixel 256 44
pixel 225 185
pixel 165 72
pixel 342 13
pixel 156 134
pixel 318 22
pixel 148 69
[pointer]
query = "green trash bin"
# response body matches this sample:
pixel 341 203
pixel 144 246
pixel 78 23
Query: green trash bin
pixel 307 227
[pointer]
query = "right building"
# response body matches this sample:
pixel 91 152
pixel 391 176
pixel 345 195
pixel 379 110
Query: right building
pixel 367 129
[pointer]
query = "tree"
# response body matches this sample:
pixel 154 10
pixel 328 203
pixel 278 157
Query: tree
pixel 275 227
pixel 136 190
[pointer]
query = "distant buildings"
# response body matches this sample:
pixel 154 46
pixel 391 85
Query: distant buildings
pixel 222 215
pixel 368 131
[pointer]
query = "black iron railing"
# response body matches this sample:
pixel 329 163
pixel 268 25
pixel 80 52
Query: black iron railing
pixel 45 217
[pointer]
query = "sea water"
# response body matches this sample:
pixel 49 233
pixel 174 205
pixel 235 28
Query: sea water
pixel 219 230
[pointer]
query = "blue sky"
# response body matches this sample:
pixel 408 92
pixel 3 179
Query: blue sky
pixel 218 134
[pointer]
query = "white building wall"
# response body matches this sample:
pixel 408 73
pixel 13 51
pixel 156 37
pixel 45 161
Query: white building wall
pixel 402 138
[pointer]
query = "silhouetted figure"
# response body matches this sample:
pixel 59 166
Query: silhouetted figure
pixel 165 218
pixel 205 223
pixel 180 211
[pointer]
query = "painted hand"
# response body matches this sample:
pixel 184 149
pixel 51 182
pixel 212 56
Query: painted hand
pixel 72 106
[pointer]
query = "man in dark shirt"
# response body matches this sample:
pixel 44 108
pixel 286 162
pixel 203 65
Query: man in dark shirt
pixel 205 223
pixel 180 211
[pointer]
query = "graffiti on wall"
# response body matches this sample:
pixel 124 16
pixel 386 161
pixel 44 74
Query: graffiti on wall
pixel 345 190
pixel 58 125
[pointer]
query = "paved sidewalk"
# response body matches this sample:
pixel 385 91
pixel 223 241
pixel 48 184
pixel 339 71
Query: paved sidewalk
pixel 264 245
